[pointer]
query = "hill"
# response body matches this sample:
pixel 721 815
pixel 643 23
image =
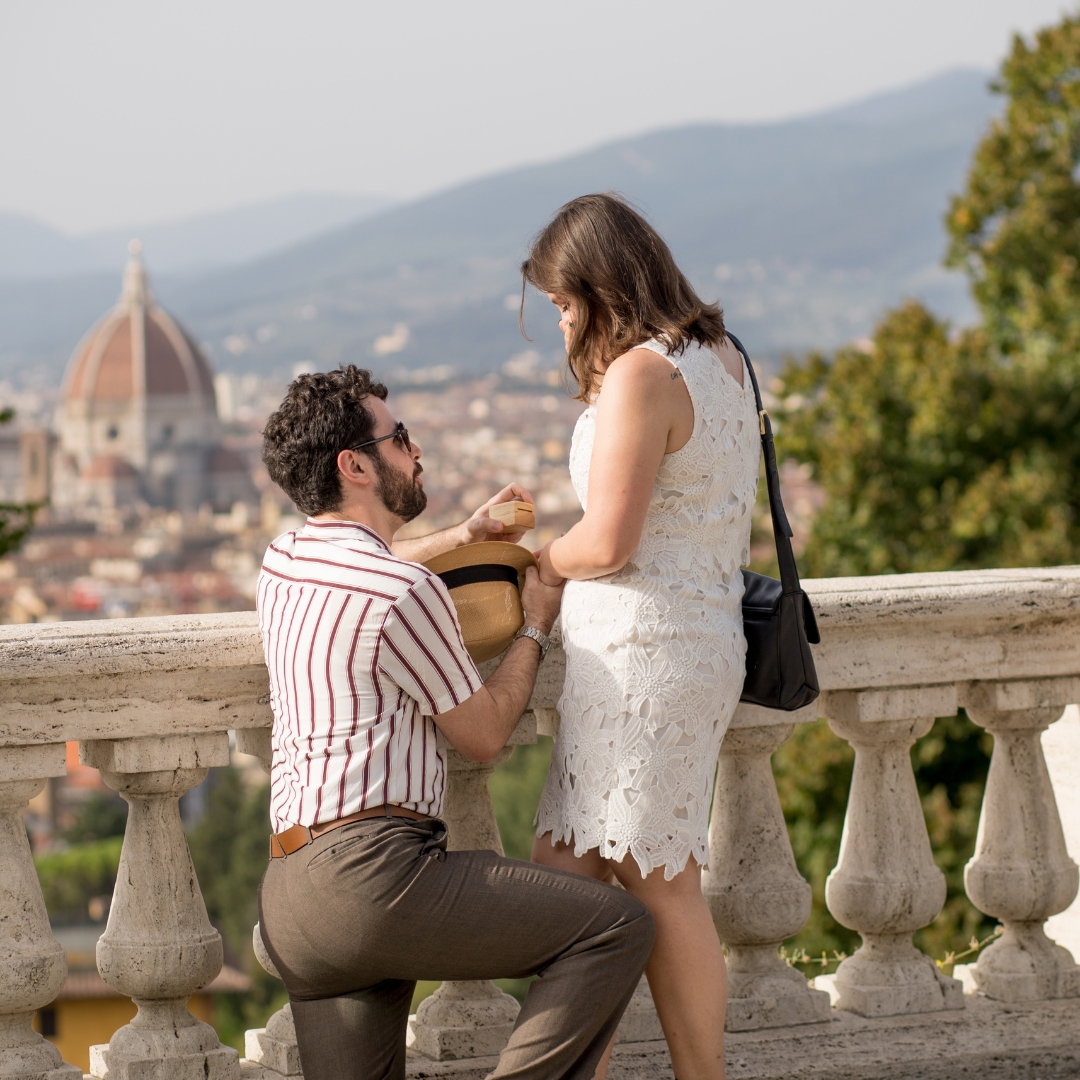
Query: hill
pixel 805 230
pixel 30 249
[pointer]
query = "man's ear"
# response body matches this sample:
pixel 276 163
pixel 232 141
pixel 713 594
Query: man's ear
pixel 355 468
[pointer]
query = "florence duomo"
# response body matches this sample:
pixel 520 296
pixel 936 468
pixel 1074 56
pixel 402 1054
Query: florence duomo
pixel 138 421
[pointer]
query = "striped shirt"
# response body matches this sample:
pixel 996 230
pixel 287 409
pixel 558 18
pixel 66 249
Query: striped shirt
pixel 363 650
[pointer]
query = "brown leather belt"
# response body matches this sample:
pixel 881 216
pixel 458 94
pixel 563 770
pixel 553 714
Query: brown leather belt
pixel 298 836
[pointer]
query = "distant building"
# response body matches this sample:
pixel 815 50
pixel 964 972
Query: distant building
pixel 138 420
pixel 24 465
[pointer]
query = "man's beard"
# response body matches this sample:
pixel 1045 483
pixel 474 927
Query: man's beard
pixel 399 492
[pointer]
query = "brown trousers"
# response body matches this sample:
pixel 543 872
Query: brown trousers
pixel 353 919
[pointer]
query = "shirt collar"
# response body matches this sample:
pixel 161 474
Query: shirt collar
pixel 344 530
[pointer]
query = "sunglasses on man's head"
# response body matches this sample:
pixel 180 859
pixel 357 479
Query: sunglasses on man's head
pixel 400 432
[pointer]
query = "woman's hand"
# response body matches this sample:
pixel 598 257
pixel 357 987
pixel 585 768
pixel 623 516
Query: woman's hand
pixel 547 572
pixel 540 601
pixel 481 526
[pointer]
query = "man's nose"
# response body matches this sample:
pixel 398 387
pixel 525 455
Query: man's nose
pixel 416 450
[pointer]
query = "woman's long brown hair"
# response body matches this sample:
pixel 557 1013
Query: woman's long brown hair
pixel 602 255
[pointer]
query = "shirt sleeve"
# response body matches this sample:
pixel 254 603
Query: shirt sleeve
pixel 422 650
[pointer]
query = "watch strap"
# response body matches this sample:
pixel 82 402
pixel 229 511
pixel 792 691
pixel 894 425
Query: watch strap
pixel 538 636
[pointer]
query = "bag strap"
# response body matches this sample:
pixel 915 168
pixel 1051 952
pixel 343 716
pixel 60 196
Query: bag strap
pixel 789 574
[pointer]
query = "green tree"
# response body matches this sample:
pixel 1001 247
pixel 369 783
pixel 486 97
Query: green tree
pixel 934 452
pixel 229 847
pixel 16 519
pixel 1016 226
pixel 515 788
pixel 942 450
pixel 101 816
pixel 71 879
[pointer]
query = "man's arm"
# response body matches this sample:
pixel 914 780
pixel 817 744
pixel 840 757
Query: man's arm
pixel 481 526
pixel 480 726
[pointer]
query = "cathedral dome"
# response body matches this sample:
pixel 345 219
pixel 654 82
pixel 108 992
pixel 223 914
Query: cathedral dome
pixel 136 351
pixel 139 391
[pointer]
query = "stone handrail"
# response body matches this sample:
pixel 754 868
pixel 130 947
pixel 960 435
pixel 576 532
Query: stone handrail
pixel 151 702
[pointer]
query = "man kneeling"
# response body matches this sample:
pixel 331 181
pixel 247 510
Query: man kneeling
pixel 368 673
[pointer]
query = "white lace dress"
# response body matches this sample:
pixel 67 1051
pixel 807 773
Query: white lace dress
pixel 655 653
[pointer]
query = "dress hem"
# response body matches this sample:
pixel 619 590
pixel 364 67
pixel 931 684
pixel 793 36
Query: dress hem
pixel 645 863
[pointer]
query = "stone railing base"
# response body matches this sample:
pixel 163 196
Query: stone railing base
pixel 274 1046
pixel 987 1039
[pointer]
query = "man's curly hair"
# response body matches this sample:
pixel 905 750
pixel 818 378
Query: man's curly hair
pixel 321 415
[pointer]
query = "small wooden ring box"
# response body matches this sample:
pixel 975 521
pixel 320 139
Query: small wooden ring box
pixel 516 514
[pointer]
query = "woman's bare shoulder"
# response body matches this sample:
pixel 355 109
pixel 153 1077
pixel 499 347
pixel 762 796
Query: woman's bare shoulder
pixel 641 368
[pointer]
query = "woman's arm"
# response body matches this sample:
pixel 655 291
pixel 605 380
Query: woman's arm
pixel 643 413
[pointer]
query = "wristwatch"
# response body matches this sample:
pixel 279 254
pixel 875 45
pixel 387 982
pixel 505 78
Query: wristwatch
pixel 538 636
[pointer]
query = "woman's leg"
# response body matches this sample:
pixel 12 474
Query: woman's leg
pixel 686 970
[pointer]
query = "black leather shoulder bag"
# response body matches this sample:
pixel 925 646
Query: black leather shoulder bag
pixel 778 620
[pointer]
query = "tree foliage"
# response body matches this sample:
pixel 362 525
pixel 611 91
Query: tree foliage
pixel 935 452
pixel 103 815
pixel 1016 226
pixel 229 847
pixel 940 449
pixel 16 519
pixel 70 879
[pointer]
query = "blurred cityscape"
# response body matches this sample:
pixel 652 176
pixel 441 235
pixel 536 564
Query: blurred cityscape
pixel 153 498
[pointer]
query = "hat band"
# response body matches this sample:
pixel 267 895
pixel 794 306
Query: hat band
pixel 473 575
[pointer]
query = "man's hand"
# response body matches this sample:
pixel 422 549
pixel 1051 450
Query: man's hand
pixel 481 526
pixel 541 602
pixel 472 531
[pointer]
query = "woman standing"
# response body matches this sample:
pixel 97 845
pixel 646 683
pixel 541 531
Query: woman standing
pixel 665 463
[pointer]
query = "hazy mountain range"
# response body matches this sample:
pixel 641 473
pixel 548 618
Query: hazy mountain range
pixel 805 230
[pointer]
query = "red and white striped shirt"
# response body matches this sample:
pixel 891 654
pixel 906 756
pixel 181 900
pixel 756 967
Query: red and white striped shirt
pixel 363 649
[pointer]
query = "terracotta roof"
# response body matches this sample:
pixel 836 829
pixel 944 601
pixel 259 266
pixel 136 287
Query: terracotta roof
pixel 102 368
pixel 108 467
pixel 89 984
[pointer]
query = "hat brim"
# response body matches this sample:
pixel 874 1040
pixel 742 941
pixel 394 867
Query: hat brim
pixel 487 552
pixel 487 603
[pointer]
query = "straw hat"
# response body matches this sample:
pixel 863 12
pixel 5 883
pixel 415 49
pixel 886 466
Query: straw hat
pixel 485 583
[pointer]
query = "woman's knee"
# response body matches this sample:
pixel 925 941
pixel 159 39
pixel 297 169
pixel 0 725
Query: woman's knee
pixel 560 856
pixel 656 889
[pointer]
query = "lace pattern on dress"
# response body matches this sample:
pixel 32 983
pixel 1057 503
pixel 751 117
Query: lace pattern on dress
pixel 655 654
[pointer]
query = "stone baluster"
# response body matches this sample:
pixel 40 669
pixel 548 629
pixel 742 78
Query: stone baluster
pixel 467 1019
pixel 754 889
pixel 32 962
pixel 274 1047
pixel 159 947
pixel 886 885
pixel 1021 872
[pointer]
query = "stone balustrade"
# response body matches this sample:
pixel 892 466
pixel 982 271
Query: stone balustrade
pixel 151 703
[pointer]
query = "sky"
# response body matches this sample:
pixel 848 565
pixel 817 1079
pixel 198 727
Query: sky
pixel 130 112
